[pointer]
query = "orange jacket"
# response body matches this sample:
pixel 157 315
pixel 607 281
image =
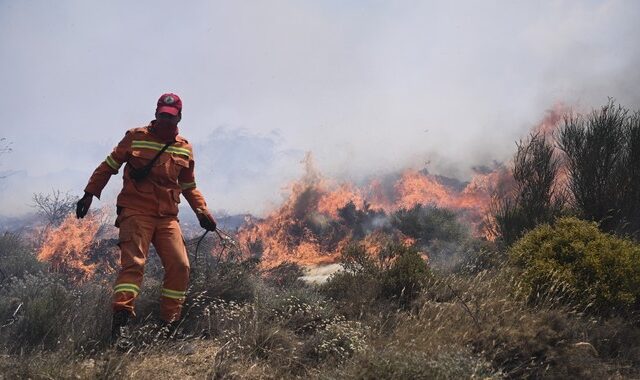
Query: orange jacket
pixel 159 193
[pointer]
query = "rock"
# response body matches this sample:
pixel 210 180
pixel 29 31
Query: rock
pixel 586 347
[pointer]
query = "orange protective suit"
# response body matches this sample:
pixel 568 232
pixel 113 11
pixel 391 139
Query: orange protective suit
pixel 148 210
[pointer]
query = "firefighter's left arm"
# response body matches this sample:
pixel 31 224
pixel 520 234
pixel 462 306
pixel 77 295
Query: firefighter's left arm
pixel 187 181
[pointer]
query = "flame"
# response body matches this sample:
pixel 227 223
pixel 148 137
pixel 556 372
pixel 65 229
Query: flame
pixel 308 228
pixel 66 247
pixel 551 121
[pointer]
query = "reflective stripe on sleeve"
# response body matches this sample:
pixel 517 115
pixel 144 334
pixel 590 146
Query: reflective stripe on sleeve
pixel 187 185
pixel 124 287
pixel 113 164
pixel 173 294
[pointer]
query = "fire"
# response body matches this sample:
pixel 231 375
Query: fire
pixel 294 232
pixel 331 201
pixel 552 119
pixel 66 247
pixel 321 217
pixel 415 187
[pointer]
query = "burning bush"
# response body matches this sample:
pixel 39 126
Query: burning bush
pixel 572 257
pixel 65 248
pixel 320 218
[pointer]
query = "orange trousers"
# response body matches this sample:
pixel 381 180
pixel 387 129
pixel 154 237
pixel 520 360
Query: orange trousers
pixel 136 233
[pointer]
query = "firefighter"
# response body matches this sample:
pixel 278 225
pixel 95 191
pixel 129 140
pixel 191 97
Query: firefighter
pixel 159 166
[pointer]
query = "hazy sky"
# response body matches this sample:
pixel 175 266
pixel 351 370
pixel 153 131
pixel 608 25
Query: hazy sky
pixel 367 86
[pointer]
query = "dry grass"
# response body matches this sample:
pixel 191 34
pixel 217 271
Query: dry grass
pixel 460 325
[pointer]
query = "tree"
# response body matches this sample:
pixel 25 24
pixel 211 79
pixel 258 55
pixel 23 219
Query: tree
pixel 54 207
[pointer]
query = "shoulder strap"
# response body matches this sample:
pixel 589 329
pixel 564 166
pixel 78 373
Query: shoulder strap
pixel 153 161
pixel 138 174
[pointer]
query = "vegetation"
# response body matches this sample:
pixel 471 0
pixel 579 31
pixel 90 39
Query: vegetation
pixel 591 169
pixel 573 258
pixel 55 206
pixel 535 197
pixel 362 323
pixel 602 152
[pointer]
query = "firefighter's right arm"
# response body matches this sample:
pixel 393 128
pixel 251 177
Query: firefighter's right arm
pixel 109 167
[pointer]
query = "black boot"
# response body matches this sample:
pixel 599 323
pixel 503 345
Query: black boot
pixel 120 321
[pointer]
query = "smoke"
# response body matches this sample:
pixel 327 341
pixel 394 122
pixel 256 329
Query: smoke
pixel 368 87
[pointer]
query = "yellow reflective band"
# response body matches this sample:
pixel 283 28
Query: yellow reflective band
pixel 144 142
pixel 173 294
pixel 133 288
pixel 187 185
pixel 127 286
pixel 157 146
pixel 176 150
pixel 112 163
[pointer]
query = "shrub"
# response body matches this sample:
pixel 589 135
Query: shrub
pixel 353 293
pixel 339 339
pixel 602 153
pixel 39 311
pixel 16 257
pixel 534 198
pixel 574 257
pixel 428 223
pixel 406 277
pixel 399 276
pixel 355 259
pixel 284 275
pixel 230 281
pixel 302 311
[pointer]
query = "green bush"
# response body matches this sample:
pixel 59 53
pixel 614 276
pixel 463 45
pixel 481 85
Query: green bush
pixel 16 257
pixel 303 311
pixel 229 280
pixel 406 277
pixel 41 311
pixel 398 275
pixel 428 223
pixel 573 257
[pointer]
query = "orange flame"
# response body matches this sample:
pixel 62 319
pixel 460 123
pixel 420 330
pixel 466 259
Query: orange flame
pixel 65 248
pixel 307 228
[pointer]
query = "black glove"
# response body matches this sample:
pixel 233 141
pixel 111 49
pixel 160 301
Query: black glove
pixel 206 220
pixel 83 205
